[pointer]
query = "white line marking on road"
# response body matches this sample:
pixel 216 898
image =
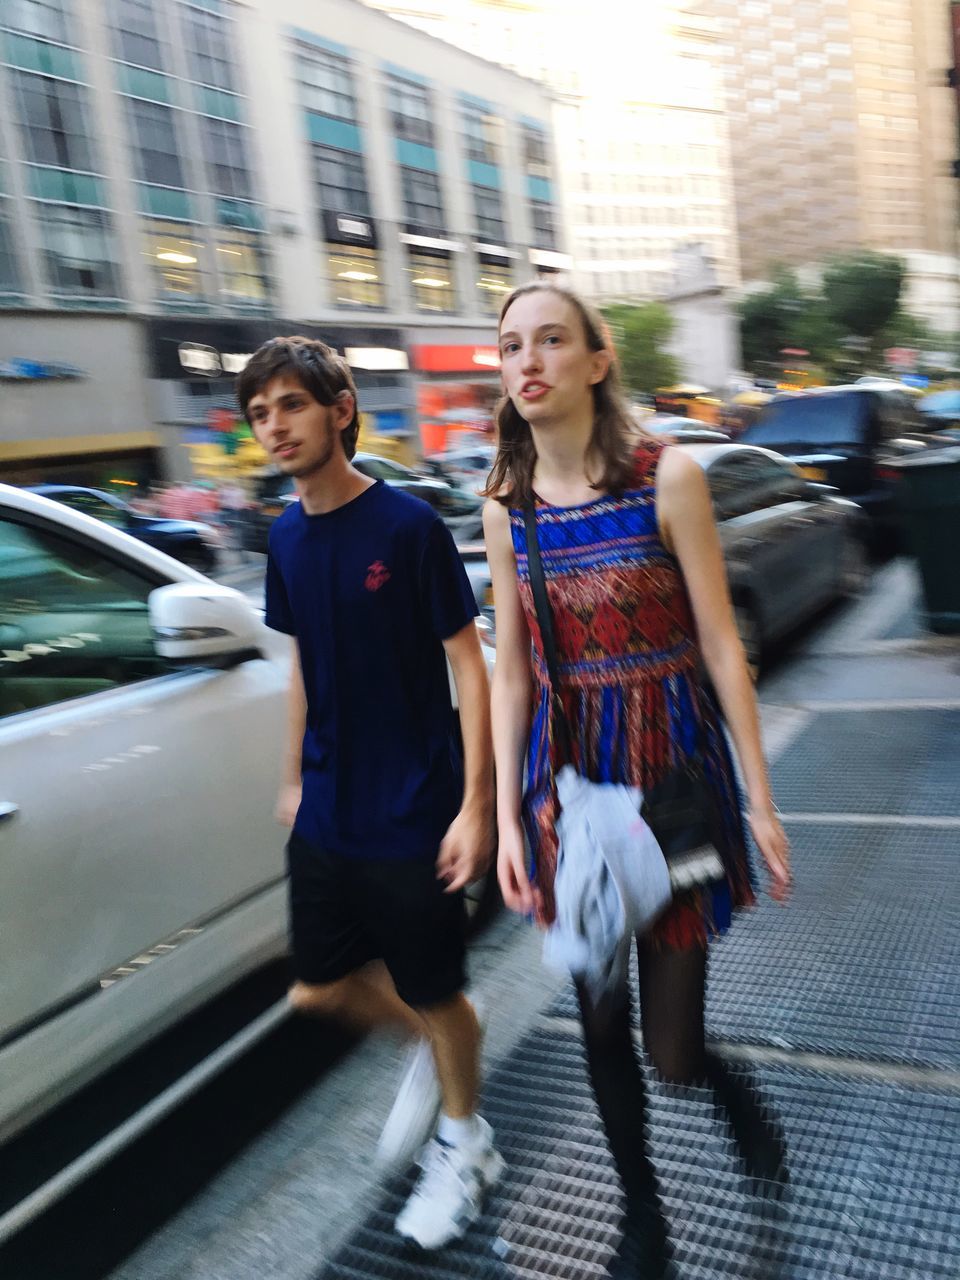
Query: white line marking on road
pixel 918 1076
pixel 780 726
pixel 893 704
pixel 873 820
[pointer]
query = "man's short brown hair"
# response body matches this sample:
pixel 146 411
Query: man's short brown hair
pixel 317 367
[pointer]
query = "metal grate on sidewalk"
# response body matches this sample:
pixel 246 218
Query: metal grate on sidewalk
pixel 875 1196
pixel 887 762
pixel 865 962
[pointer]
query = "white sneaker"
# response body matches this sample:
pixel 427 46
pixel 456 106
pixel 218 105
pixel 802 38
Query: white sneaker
pixel 413 1116
pixel 449 1194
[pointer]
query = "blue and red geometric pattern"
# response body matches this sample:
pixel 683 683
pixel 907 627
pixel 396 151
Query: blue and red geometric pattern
pixel 631 683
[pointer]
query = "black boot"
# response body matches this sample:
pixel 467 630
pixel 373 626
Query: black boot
pixel 644 1251
pixel 756 1129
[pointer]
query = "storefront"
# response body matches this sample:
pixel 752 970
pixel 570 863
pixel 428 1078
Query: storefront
pixel 73 403
pixel 193 369
pixel 458 386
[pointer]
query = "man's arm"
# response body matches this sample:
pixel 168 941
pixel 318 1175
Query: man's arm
pixel 468 845
pixel 288 800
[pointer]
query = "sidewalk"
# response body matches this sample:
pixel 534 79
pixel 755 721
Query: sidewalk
pixel 846 1006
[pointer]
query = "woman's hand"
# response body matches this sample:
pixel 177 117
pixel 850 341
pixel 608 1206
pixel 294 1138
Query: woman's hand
pixel 518 893
pixel 772 842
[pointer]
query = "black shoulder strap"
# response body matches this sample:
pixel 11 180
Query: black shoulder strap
pixel 541 602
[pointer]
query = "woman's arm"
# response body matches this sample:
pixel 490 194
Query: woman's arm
pixel 511 707
pixel 686 522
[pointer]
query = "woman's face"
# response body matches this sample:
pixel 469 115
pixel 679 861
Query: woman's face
pixel 547 368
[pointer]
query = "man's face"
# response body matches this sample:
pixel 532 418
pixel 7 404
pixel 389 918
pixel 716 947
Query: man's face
pixel 298 433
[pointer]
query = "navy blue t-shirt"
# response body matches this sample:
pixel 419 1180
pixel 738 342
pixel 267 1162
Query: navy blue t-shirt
pixel 371 590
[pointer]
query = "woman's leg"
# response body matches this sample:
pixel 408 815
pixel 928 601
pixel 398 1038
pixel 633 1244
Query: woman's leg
pixel 619 1090
pixel 672 998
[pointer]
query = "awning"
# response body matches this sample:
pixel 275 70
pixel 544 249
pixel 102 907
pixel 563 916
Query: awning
pixel 70 446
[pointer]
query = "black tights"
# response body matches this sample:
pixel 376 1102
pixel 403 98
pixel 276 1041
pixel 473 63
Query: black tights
pixel 672 992
pixel 672 996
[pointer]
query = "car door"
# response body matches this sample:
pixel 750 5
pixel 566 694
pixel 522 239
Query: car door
pixel 808 526
pixel 768 534
pixel 135 796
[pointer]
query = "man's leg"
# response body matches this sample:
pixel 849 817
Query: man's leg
pixel 366 1000
pixel 455 1036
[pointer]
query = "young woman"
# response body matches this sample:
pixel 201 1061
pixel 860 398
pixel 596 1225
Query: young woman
pixel 640 604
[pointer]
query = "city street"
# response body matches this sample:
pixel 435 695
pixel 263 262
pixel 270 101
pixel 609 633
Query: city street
pixel 845 1005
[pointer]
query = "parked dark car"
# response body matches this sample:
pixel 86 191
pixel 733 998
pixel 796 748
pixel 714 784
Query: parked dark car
pixel 790 545
pixel 273 492
pixel 189 541
pixel 849 437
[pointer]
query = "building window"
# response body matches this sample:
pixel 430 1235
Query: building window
pixel 432 282
pixel 207 40
pixel 175 256
pixel 155 143
pixel 341 181
pixel 536 158
pixel 486 202
pixel 544 224
pixel 240 264
pixel 75 245
pixel 43 18
pixel 422 199
pixel 135 31
pixel 226 156
pixel 9 274
pixel 52 120
pixel 410 111
pixel 493 284
pixel 479 131
pixel 355 276
pixel 326 84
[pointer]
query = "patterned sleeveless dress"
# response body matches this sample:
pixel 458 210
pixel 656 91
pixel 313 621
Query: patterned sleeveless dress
pixel 631 682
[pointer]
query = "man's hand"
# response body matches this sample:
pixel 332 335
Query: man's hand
pixel 467 848
pixel 288 802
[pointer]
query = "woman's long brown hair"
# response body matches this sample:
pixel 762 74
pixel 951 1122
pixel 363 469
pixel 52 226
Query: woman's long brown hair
pixel 614 434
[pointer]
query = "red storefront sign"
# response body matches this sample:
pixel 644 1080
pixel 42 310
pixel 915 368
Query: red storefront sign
pixel 468 359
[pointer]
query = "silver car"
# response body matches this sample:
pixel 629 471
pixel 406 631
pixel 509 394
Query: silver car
pixel 142 715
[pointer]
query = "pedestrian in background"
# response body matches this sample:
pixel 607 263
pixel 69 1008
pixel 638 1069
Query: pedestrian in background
pixel 233 506
pixel 388 826
pixel 637 589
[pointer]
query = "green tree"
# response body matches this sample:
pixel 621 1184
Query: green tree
pixel 781 316
pixel 861 291
pixel 640 334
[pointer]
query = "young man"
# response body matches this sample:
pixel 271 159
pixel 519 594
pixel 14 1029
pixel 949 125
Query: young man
pixel 388 826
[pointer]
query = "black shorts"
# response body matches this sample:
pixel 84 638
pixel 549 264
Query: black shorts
pixel 345 912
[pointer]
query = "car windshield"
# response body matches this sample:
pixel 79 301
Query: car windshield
pixel 824 420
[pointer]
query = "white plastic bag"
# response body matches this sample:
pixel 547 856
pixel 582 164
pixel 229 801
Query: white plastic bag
pixel 612 880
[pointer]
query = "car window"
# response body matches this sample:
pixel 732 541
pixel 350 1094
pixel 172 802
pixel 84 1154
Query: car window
pixel 381 469
pixel 91 505
pixel 816 420
pixel 270 487
pixel 72 621
pixel 898 415
pixel 745 482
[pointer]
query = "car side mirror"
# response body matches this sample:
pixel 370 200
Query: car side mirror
pixel 204 624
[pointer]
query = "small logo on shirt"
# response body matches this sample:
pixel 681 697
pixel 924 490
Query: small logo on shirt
pixel 377 575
